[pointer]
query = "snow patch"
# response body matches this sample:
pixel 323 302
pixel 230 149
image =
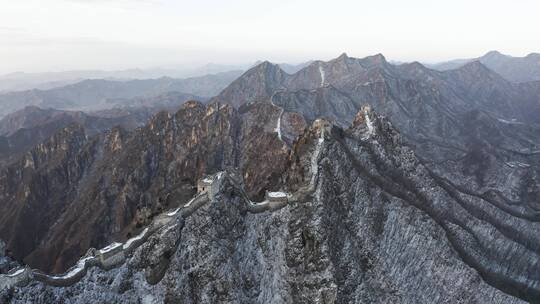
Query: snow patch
pixel 315 159
pixel 173 213
pixel 513 121
pixel 263 203
pixel 16 273
pixel 516 164
pixel 278 126
pixel 277 194
pixel 169 229
pixel 189 203
pixel 321 71
pixel 111 247
pixel 134 239
pixel 369 125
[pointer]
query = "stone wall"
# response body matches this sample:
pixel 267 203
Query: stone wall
pixel 116 254
pixel 108 257
pixel 17 277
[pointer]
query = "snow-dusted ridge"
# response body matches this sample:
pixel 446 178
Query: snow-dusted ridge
pixel 116 253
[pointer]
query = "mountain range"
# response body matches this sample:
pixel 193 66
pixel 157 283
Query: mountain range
pixel 20 81
pixel 515 69
pixel 98 94
pixel 403 184
pixel 24 129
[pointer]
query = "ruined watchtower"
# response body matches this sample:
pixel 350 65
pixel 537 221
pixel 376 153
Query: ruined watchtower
pixel 111 255
pixel 204 184
pixel 276 200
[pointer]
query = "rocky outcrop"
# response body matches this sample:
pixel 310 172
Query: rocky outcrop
pixel 24 129
pixel 257 84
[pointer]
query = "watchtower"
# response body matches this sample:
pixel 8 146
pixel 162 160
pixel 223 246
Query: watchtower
pixel 279 197
pixel 276 200
pixel 109 253
pixel 204 184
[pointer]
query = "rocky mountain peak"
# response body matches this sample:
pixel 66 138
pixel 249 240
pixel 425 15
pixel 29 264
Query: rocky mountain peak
pixel 360 118
pixel 342 57
pixel 257 84
pixel 377 59
pixel 476 71
pixel 364 122
pixel 266 68
pixel 493 55
pixel 341 61
pixel 415 69
pixel 474 66
pixel 192 104
pixel 416 66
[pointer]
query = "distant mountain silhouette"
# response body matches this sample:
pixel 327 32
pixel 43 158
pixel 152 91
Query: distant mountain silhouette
pixel 515 69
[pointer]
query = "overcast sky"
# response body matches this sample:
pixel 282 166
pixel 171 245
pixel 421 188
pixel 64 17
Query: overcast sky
pixel 55 35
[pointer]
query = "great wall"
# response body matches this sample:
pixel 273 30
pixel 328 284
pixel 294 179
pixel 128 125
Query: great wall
pixel 116 253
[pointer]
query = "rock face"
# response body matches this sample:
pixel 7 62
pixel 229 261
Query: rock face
pixel 257 84
pixel 390 231
pixel 24 129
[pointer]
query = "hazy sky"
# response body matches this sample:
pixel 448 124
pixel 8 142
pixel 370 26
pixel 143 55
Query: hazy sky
pixel 54 35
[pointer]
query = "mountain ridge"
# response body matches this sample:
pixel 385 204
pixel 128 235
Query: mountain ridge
pixel 98 94
pixel 515 69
